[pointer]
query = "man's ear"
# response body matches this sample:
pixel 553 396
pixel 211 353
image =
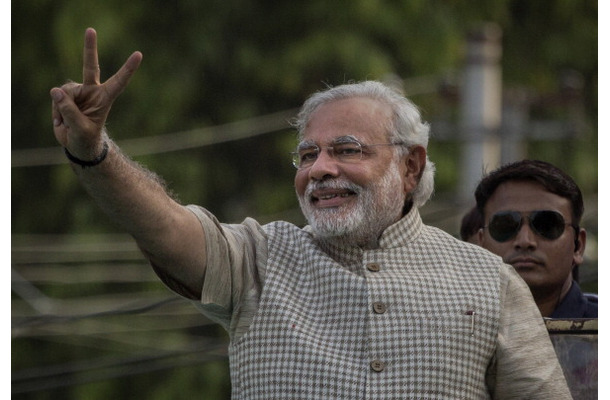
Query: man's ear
pixel 480 237
pixel 415 162
pixel 579 246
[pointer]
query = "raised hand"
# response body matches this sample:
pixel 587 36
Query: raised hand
pixel 80 109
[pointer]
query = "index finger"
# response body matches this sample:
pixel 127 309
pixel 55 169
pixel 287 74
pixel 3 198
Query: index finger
pixel 91 67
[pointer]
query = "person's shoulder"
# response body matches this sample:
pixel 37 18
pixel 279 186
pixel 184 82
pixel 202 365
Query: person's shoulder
pixel 591 297
pixel 286 230
pixel 591 310
pixel 279 225
pixel 439 234
pixel 468 251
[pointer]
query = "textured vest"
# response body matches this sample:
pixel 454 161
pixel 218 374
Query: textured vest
pixel 416 318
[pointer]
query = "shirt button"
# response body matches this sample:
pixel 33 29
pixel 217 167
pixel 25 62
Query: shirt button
pixel 377 365
pixel 379 307
pixel 373 267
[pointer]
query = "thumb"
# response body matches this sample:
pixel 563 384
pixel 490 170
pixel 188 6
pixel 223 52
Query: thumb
pixel 65 112
pixel 57 95
pixel 64 109
pixel 68 121
pixel 59 125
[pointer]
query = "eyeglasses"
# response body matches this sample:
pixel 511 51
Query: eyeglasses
pixel 349 151
pixel 505 225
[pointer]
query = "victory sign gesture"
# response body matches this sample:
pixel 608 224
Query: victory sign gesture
pixel 80 109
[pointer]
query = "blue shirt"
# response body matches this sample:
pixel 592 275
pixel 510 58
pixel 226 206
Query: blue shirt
pixel 576 305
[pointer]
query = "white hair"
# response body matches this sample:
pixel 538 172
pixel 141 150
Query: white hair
pixel 405 127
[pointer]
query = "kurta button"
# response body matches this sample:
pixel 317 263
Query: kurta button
pixel 379 307
pixel 373 267
pixel 377 365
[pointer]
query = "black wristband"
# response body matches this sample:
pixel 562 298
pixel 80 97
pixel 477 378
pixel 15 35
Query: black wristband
pixel 92 163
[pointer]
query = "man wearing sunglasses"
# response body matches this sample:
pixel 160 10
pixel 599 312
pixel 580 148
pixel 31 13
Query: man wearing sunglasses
pixel 364 302
pixel 532 212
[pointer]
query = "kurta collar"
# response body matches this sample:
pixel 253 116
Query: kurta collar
pixel 407 229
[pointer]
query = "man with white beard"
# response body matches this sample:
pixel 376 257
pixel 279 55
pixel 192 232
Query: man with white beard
pixel 364 302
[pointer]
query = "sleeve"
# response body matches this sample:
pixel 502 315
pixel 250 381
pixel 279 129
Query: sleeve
pixel 235 267
pixel 525 365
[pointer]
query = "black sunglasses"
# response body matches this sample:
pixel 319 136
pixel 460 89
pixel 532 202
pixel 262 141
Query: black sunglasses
pixel 505 225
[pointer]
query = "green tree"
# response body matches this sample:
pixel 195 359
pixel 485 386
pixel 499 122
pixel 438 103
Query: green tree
pixel 214 62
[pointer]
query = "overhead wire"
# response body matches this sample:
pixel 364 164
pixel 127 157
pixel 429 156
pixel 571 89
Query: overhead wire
pixel 164 143
pixel 53 318
pixel 200 137
pixel 86 371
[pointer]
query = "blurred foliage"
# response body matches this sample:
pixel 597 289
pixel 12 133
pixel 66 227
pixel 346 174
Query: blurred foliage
pixel 210 62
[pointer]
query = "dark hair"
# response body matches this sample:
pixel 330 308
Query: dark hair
pixel 471 223
pixel 549 176
pixel 546 174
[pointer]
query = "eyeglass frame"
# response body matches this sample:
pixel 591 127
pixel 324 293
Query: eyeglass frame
pixel 296 155
pixel 530 216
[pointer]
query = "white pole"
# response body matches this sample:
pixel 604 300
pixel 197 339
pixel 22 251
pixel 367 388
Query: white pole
pixel 481 108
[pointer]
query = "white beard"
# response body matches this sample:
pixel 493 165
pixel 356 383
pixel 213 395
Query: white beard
pixel 377 206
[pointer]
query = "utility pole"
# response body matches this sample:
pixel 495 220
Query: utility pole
pixel 515 121
pixel 481 110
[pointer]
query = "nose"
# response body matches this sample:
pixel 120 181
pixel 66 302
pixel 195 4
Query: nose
pixel 325 166
pixel 526 238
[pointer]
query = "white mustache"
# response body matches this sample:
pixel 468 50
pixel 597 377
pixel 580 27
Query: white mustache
pixel 332 184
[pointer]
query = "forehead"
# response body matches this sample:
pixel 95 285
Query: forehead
pixel 525 196
pixel 365 119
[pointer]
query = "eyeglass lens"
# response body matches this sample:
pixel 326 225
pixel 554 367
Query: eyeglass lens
pixel 345 152
pixel 505 225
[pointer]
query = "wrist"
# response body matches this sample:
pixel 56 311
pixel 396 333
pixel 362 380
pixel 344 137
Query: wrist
pixel 89 163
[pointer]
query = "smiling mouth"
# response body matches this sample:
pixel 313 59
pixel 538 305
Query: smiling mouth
pixel 331 198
